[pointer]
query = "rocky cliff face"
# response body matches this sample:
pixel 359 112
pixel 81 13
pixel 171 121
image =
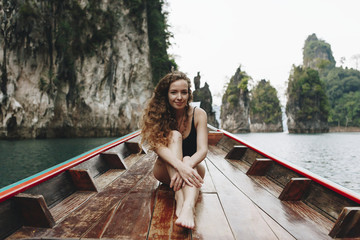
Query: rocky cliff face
pixel 265 109
pixel 104 98
pixel 203 95
pixel 317 53
pixel 235 104
pixel 314 126
pixel 307 105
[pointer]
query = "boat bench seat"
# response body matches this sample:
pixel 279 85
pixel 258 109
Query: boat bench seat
pixel 74 186
pixel 297 192
pixel 214 137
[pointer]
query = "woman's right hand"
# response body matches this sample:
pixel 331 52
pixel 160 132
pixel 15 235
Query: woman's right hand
pixel 190 176
pixel 176 182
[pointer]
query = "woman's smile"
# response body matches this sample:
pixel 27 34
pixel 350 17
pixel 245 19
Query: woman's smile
pixel 178 94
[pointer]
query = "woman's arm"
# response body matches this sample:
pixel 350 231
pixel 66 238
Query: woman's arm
pixel 187 173
pixel 202 138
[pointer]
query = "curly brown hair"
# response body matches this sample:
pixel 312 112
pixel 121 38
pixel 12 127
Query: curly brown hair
pixel 159 117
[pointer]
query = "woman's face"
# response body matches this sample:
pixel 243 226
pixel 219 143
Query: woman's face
pixel 178 94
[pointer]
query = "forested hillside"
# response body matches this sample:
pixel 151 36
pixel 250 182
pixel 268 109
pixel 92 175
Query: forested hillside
pixel 342 84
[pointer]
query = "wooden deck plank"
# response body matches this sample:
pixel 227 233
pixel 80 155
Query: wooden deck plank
pixel 78 222
pixel 274 189
pixel 163 220
pixel 264 181
pixel 267 184
pixel 28 233
pixel 131 160
pixel 280 232
pixel 70 204
pixel 281 212
pixel 132 216
pixel 97 230
pixel 244 217
pixel 210 218
pixel 104 179
pixel 208 186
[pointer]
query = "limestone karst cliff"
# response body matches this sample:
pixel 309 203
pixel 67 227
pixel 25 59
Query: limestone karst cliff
pixel 74 68
pixel 235 104
pixel 307 105
pixel 342 84
pixel 265 109
pixel 204 96
pixel 317 53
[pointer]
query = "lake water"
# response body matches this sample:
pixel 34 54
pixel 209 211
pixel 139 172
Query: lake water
pixel 335 156
pixel 22 158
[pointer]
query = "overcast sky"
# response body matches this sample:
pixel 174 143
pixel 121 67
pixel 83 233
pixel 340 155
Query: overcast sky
pixel 265 37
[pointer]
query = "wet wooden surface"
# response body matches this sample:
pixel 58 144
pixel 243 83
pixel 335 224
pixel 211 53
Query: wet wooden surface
pixel 231 205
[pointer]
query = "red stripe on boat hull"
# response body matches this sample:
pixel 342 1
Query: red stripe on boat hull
pixel 52 173
pixel 326 183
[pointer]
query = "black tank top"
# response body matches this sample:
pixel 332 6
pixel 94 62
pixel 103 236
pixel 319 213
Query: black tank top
pixel 189 144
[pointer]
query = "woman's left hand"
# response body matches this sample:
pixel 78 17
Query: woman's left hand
pixel 189 175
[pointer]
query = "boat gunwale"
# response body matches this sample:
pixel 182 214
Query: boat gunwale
pixel 31 181
pixel 348 193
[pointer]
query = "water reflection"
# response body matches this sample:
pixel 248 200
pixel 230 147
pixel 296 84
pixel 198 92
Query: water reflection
pixel 335 156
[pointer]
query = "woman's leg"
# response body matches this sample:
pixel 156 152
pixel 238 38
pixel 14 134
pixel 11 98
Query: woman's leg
pixel 187 196
pixel 191 194
pixel 164 172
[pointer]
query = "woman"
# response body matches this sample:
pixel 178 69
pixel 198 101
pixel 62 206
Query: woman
pixel 177 132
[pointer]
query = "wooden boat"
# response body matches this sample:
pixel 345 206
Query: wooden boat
pixel 110 193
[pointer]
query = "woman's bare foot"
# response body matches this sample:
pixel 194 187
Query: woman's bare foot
pixel 186 218
pixel 179 198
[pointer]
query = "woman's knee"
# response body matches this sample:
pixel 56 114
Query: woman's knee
pixel 186 159
pixel 201 169
pixel 175 136
pixel 160 172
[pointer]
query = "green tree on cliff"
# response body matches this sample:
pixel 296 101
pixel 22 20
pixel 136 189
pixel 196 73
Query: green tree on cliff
pixel 264 104
pixel 159 34
pixel 307 100
pixel 343 89
pixel 159 39
pixel 307 106
pixel 235 103
pixel 317 54
pixel 237 89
